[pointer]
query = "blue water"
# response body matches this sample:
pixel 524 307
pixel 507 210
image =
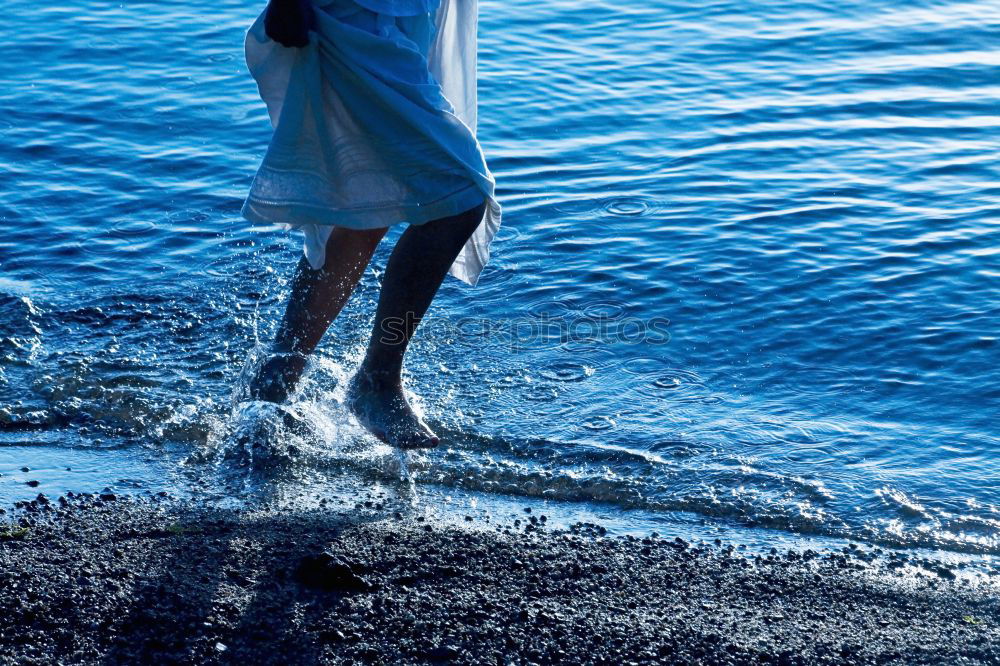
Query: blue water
pixel 759 244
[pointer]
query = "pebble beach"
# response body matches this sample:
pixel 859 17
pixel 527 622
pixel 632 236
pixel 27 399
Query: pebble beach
pixel 101 579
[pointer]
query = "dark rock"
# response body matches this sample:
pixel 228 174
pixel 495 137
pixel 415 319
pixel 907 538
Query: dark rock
pixel 331 573
pixel 945 573
pixel 238 578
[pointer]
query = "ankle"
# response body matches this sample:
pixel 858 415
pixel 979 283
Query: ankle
pixel 378 378
pixel 288 348
pixel 277 376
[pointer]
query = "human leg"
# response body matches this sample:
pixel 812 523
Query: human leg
pixel 317 298
pixel 416 269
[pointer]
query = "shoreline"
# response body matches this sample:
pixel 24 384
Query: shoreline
pixel 451 504
pixel 92 580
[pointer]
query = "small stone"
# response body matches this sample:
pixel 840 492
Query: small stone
pixel 25 469
pixel 32 483
pixel 238 577
pixel 333 636
pixel 443 653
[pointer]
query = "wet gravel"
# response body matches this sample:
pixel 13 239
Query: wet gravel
pixel 116 580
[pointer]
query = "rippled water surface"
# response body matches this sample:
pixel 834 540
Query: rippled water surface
pixel 748 272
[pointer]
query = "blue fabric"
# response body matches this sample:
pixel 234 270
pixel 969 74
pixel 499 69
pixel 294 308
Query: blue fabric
pixel 364 136
pixel 400 7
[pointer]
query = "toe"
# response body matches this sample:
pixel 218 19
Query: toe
pixel 418 440
pixel 427 440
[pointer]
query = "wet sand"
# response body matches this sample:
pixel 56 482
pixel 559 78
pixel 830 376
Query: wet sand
pixel 85 580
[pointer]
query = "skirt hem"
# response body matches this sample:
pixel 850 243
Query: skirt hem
pixel 294 215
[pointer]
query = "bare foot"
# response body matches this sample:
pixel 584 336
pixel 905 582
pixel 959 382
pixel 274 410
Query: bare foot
pixel 277 377
pixel 382 408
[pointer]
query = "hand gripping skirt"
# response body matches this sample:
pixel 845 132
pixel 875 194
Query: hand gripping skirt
pixel 374 125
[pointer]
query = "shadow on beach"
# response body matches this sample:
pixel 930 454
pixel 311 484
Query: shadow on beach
pixel 129 581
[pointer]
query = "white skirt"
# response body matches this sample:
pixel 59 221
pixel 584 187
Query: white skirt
pixel 374 125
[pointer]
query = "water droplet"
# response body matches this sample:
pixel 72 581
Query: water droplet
pixel 132 227
pixel 599 423
pixel 668 382
pixel 567 372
